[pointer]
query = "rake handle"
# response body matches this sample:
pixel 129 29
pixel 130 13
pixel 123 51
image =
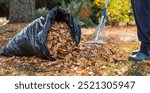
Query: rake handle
pixel 101 21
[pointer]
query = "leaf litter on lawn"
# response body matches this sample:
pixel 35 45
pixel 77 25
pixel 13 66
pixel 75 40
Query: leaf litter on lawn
pixel 81 60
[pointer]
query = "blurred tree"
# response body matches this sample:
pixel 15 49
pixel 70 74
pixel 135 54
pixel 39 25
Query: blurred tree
pixel 21 11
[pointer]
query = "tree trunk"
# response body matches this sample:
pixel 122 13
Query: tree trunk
pixel 21 11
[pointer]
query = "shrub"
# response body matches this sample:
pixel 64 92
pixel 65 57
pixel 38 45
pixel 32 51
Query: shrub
pixel 41 12
pixel 119 11
pixel 4 8
pixel 46 3
pixel 76 8
pixel 4 2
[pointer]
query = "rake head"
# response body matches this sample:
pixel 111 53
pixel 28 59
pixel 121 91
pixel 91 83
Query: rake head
pixel 100 42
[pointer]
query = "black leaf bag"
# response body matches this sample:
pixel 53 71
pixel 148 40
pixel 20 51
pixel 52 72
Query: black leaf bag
pixel 31 41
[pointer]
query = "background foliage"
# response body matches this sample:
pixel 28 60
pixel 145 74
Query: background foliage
pixel 119 11
pixel 86 12
pixel 81 10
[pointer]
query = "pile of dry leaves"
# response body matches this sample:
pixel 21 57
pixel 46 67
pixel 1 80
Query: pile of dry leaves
pixel 3 21
pixel 59 40
pixel 62 46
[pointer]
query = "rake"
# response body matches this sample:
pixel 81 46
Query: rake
pixel 100 26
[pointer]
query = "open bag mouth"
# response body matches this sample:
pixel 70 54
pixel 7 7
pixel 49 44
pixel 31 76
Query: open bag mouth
pixel 59 41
